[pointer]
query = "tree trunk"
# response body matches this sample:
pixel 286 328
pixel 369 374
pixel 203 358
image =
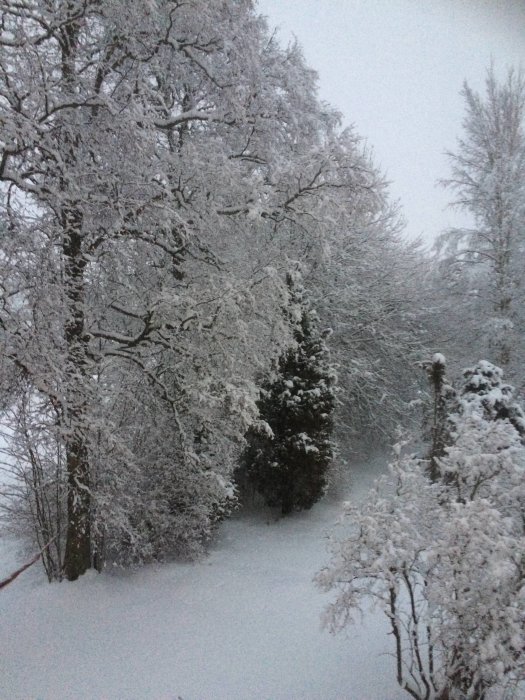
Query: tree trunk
pixel 78 539
pixel 77 558
pixel 287 502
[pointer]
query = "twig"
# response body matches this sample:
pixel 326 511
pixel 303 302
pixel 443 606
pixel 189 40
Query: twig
pixel 21 570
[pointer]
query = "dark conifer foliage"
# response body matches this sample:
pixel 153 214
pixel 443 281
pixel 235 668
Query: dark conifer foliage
pixel 290 451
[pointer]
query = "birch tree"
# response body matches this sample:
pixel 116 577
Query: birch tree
pixel 483 265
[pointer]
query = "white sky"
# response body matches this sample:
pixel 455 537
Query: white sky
pixel 394 68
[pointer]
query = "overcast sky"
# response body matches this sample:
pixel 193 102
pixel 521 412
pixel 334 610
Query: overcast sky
pixel 394 68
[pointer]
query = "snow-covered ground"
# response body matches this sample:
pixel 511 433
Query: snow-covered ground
pixel 243 624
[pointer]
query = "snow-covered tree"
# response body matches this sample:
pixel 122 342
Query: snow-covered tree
pixel 144 148
pixel 290 450
pixel 438 425
pixel 99 225
pixel 485 393
pixel 445 559
pixel 373 308
pixel 482 266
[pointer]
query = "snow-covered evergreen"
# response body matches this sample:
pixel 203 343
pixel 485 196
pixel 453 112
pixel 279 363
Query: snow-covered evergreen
pixel 290 449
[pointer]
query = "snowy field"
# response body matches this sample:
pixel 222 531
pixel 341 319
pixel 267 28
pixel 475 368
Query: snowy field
pixel 243 624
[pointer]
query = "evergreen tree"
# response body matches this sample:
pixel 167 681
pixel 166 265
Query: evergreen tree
pixel 290 450
pixel 485 392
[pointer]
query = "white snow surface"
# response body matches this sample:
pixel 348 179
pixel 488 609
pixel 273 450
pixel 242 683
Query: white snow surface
pixel 243 623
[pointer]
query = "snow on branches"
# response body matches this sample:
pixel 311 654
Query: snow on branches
pixel 445 558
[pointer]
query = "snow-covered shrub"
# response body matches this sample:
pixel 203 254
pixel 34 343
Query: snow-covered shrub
pixel 32 490
pixel 485 393
pixel 445 558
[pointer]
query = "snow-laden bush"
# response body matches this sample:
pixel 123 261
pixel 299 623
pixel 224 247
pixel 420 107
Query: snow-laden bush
pixel 445 559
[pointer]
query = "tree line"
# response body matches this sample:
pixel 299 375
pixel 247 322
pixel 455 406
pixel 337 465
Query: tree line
pixel 165 167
